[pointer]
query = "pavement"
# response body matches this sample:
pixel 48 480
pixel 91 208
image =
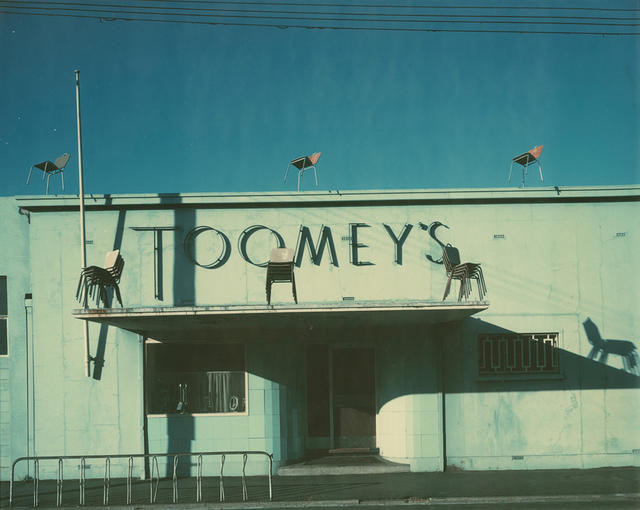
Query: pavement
pixel 567 488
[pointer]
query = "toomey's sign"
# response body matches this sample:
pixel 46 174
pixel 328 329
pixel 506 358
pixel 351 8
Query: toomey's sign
pixel 305 242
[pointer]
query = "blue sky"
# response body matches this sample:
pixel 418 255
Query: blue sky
pixel 192 108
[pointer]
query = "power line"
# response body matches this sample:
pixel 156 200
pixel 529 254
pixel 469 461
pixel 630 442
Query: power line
pixel 315 19
pixel 307 12
pixel 389 6
pixel 321 27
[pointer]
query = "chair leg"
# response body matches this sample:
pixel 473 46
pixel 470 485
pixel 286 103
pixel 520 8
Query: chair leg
pixel 447 287
pixel 48 177
pixel 316 175
pixel 62 176
pixel 299 178
pixel 29 176
pixel 268 288
pixel 293 288
pixel 118 296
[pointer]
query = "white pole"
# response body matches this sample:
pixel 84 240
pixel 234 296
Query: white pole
pixel 83 245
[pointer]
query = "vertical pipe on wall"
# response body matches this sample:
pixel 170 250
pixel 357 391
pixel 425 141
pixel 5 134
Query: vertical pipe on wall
pixel 27 310
pixel 83 246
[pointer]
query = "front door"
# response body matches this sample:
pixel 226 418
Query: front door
pixel 354 403
pixel 341 404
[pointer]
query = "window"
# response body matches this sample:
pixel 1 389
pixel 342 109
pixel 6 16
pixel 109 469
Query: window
pixel 195 378
pixel 4 335
pixel 527 353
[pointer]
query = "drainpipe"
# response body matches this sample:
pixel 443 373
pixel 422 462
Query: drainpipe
pixel 27 315
pixel 83 246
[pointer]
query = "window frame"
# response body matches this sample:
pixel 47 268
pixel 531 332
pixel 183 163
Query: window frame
pixel 187 414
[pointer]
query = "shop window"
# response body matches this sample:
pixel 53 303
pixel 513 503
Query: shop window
pixel 4 334
pixel 527 353
pixel 195 378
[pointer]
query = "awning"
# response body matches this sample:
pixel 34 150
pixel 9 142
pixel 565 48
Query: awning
pixel 273 321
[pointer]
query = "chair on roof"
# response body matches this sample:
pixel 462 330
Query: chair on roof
pixel 280 270
pixel 463 272
pixel 95 280
pixel 525 160
pixel 48 169
pixel 304 163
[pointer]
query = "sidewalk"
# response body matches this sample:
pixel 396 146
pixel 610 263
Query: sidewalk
pixel 346 490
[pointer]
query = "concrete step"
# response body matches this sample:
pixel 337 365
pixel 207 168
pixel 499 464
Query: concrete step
pixel 343 464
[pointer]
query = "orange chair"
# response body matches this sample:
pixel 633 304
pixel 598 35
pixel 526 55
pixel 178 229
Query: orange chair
pixel 304 163
pixel 528 158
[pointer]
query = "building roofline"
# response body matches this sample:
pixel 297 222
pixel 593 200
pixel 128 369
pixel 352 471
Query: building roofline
pixel 551 194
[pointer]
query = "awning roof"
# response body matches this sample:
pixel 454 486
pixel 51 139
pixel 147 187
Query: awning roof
pixel 273 321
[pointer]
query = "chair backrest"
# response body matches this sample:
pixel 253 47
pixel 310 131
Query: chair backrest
pixel 450 257
pixel 593 334
pixel 281 255
pixel 536 151
pixel 315 157
pixel 110 258
pixel 62 161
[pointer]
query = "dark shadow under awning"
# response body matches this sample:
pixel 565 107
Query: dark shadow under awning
pixel 274 321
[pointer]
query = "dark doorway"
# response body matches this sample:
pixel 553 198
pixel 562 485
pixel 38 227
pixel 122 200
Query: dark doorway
pixel 354 403
pixel 341 404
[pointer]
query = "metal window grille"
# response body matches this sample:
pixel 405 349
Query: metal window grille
pixel 526 353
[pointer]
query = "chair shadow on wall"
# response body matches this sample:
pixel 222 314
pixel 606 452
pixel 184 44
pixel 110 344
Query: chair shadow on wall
pixel 623 348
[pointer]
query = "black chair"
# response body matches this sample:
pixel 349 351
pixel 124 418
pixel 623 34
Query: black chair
pixel 280 270
pixel 94 280
pixel 463 272
pixel 48 168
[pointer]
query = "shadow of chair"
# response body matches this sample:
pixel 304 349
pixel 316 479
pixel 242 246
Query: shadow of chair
pixel 463 272
pixel 304 163
pixel 48 169
pixel 280 270
pixel 623 348
pixel 94 280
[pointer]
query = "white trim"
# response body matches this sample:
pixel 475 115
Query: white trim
pixel 248 309
pixel 167 415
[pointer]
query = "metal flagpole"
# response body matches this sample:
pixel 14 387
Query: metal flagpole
pixel 83 246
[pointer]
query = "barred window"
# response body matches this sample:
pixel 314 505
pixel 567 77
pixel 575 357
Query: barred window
pixel 525 353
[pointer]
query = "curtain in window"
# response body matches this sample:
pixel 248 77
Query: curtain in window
pixel 219 391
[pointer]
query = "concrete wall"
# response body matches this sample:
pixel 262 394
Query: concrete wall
pixel 16 430
pixel 548 267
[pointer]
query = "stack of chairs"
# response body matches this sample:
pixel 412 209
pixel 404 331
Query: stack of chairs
pixel 280 270
pixel 463 272
pixel 94 280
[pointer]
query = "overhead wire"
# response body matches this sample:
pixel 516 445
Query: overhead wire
pixel 328 13
pixel 306 18
pixel 398 6
pixel 52 8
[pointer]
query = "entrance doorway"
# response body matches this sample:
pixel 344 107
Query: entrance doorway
pixel 341 405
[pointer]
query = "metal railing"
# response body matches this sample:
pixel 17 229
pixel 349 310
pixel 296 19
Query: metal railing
pixel 154 479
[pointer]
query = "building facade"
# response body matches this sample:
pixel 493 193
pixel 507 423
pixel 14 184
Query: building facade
pixel 542 372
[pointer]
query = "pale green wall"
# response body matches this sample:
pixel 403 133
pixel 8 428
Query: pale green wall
pixel 556 265
pixel 15 437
